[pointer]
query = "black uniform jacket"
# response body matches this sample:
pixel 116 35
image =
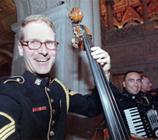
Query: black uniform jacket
pixel 127 101
pixel 32 107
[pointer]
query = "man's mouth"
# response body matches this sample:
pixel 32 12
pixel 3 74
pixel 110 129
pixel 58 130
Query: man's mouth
pixel 42 59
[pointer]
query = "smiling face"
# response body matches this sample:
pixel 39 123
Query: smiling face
pixel 132 83
pixel 146 84
pixel 38 61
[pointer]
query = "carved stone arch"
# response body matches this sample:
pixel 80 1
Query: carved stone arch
pixel 116 26
pixel 131 22
pixel 131 17
pixel 154 17
pixel 153 7
pixel 153 12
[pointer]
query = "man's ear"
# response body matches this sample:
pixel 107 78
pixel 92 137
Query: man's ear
pixel 123 83
pixel 20 48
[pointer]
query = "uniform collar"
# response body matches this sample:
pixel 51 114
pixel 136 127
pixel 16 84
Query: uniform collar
pixel 131 96
pixel 34 79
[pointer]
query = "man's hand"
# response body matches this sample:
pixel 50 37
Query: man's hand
pixel 103 58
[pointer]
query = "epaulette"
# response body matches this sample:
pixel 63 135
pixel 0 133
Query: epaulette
pixel 66 91
pixel 73 92
pixel 146 99
pixel 18 79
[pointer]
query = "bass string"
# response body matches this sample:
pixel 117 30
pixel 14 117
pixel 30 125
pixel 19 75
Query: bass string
pixel 99 75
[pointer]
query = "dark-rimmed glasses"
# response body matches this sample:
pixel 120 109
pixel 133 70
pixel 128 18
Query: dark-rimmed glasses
pixel 35 44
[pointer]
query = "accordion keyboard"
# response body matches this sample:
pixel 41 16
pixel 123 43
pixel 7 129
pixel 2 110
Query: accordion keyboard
pixel 134 121
pixel 145 125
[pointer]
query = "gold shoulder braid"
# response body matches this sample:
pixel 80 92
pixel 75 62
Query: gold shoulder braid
pixel 18 79
pixel 73 92
pixel 67 93
pixel 147 100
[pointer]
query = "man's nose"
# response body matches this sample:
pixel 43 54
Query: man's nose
pixel 43 50
pixel 135 83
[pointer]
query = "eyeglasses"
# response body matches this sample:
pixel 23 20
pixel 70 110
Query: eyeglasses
pixel 35 44
pixel 148 83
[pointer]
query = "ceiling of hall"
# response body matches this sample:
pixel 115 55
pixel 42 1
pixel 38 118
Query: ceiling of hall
pixel 130 12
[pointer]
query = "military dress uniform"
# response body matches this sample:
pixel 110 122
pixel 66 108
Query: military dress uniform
pixel 32 107
pixel 128 101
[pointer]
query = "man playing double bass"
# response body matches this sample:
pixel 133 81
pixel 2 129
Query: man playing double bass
pixel 34 105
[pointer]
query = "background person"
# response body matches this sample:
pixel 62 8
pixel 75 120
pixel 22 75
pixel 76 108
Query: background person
pixel 146 84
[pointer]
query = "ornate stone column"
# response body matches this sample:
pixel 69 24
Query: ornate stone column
pixel 109 4
pixel 145 10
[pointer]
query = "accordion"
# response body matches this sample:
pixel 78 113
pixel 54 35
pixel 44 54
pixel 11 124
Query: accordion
pixel 141 122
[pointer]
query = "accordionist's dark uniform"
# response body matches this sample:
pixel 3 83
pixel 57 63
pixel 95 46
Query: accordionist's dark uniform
pixel 139 114
pixel 34 108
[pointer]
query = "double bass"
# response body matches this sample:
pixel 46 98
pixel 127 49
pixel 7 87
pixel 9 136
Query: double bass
pixel 82 38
